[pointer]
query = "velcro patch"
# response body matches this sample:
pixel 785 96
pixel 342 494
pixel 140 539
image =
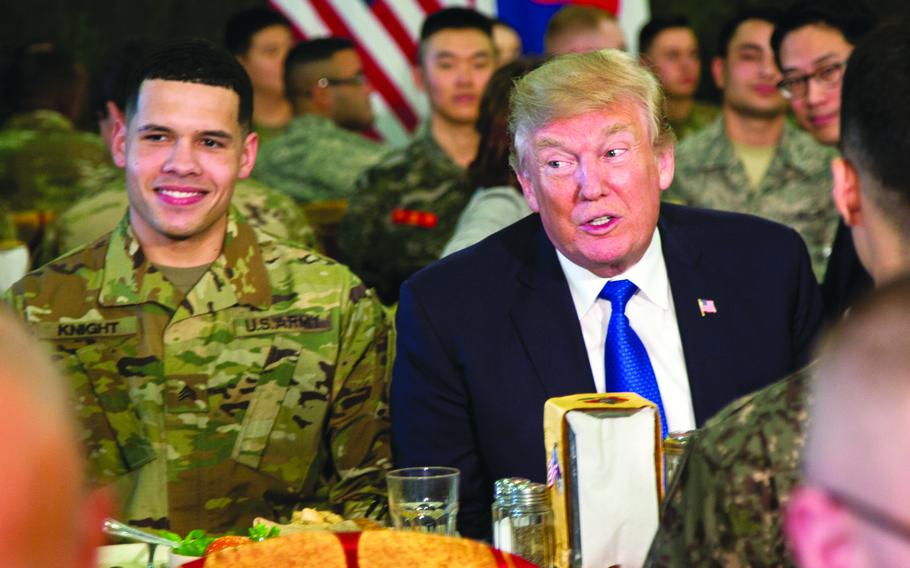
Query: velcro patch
pixel 283 322
pixel 88 329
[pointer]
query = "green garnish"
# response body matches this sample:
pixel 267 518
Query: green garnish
pixel 194 544
pixel 261 532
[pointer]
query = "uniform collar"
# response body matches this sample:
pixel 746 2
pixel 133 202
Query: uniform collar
pixel 237 277
pixel 796 149
pixel 649 274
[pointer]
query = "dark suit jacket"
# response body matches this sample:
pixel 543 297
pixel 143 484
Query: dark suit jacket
pixel 487 335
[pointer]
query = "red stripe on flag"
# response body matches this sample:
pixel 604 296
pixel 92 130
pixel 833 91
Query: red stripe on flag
pixel 401 36
pixel 377 76
pixel 430 6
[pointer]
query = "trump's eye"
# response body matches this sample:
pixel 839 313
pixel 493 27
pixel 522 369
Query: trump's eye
pixel 615 152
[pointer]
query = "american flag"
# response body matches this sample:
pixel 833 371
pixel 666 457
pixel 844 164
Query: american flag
pixel 706 306
pixel 386 33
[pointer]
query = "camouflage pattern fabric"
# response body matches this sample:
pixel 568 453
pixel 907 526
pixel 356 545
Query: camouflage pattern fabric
pixel 724 507
pixel 263 390
pixel 701 116
pixel 795 191
pixel 44 161
pixel 91 217
pixel 402 214
pixel 315 160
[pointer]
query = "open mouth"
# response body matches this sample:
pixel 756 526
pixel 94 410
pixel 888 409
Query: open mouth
pixel 180 197
pixel 601 224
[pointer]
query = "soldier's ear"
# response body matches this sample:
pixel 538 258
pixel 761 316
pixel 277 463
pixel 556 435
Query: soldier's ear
pixel 819 531
pixel 248 155
pixel 717 72
pixel 118 140
pixel 846 192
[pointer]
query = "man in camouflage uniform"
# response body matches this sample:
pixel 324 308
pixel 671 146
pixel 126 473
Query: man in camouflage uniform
pixel 44 160
pixel 220 373
pixel 725 506
pixel 751 159
pixel 404 209
pixel 322 153
pixel 669 48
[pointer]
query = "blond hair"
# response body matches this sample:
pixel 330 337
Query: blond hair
pixel 575 84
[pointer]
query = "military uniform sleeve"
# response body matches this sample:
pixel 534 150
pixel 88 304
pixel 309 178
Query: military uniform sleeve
pixel 358 429
pixel 724 507
pixel 360 227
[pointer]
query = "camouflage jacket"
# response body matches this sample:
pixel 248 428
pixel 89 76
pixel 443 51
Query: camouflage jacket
pixel 795 191
pixel 315 160
pixel 263 390
pixel 99 213
pixel 44 161
pixel 701 116
pixel 402 214
pixel 724 507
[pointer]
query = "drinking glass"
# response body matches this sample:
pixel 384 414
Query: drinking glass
pixel 424 499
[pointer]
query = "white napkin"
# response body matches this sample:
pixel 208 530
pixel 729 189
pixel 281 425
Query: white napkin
pixel 616 486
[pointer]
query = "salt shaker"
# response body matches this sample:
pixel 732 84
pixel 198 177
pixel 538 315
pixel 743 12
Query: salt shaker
pixel 531 519
pixel 503 493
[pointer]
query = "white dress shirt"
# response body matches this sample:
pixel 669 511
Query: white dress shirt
pixel 651 314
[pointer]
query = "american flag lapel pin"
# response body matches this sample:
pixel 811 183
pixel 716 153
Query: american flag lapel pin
pixel 706 306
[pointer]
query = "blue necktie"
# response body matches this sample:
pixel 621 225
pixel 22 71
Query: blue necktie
pixel 626 363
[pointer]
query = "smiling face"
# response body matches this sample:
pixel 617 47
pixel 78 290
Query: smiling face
pixel 748 75
pixel 596 180
pixel 455 67
pixel 805 51
pixel 182 149
pixel 673 54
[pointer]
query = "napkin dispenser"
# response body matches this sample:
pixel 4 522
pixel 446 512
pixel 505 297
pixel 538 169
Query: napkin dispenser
pixel 605 476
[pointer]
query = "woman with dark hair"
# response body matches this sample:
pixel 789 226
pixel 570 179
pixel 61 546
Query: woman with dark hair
pixel 498 201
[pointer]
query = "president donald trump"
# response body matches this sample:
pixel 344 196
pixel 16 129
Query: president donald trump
pixel 605 289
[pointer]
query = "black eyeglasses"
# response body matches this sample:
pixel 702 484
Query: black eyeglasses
pixel 828 76
pixel 357 80
pixel 871 514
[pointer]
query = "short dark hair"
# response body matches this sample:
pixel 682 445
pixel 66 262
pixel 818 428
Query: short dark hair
pixel 852 19
pixel 112 81
pixel 653 28
pixel 43 76
pixel 727 32
pixel 453 19
pixel 311 51
pixel 242 26
pixel 194 61
pixel 875 117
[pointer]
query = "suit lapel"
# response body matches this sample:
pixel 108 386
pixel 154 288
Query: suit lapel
pixel 704 337
pixel 545 319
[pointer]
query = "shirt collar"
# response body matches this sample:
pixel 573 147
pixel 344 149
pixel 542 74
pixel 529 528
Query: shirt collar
pixel 649 274
pixel 237 276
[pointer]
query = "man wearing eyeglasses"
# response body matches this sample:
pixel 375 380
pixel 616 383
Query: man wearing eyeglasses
pixel 322 152
pixel 812 43
pixel 751 159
